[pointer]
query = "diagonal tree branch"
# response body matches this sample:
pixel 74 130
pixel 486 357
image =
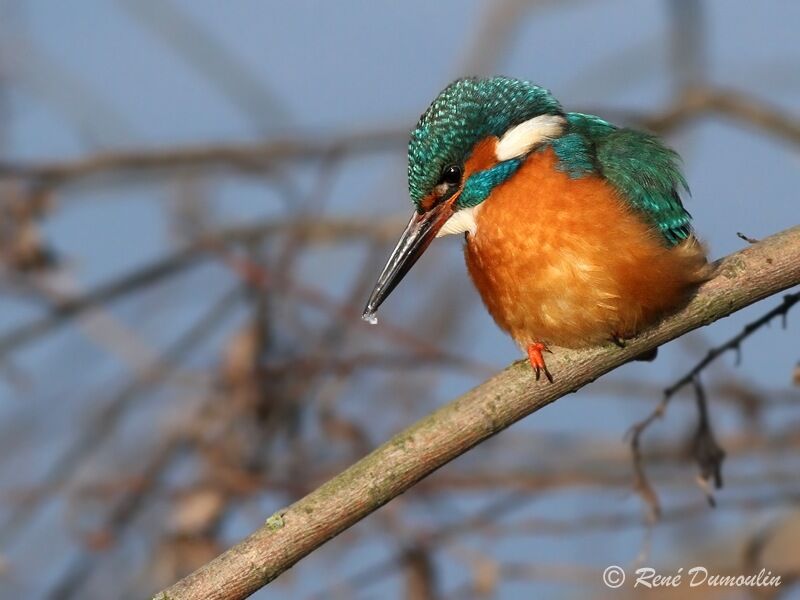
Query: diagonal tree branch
pixel 741 279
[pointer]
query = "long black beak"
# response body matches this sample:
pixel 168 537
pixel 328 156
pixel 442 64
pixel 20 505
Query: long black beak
pixel 418 235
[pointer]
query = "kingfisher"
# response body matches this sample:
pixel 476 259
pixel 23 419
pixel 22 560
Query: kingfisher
pixel 575 233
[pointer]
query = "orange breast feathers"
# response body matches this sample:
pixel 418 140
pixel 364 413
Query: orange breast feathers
pixel 566 262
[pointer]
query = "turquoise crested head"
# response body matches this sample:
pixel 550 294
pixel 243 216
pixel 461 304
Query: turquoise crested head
pixel 465 112
pixel 515 116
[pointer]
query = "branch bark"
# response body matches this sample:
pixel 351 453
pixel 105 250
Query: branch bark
pixel 740 279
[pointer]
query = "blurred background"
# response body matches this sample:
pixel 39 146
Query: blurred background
pixel 195 199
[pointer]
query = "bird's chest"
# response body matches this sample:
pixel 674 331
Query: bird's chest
pixel 535 292
pixel 540 256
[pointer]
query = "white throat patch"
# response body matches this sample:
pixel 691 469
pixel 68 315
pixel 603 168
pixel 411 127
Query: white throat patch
pixel 521 138
pixel 517 141
pixel 461 221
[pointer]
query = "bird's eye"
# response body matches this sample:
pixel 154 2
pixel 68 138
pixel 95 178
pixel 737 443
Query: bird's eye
pixel 451 175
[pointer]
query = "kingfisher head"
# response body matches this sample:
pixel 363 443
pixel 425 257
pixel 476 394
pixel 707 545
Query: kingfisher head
pixel 473 137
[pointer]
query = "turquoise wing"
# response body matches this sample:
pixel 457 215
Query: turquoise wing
pixel 638 164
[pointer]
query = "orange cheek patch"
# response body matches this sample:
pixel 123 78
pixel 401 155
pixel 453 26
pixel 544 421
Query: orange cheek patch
pixel 483 157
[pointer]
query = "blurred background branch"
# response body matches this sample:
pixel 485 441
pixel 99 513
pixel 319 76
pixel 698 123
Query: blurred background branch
pixel 194 201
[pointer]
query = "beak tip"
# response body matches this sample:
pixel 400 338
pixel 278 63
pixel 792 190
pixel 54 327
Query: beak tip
pixel 369 316
pixel 416 237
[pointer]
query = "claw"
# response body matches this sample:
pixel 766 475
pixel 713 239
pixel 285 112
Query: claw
pixel 537 360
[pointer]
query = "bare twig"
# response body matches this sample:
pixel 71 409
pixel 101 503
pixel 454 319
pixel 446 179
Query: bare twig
pixel 699 102
pixel 502 506
pixel 197 45
pixel 103 422
pixel 706 450
pixel 244 157
pixel 160 269
pixel 735 343
pixel 120 514
pixel 257 157
pixel 746 238
pixel 290 534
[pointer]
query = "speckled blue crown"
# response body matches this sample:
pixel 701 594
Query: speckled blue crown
pixel 465 112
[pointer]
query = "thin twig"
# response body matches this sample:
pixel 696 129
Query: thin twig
pixel 257 157
pixel 746 238
pixel 167 266
pixel 103 423
pixel 641 483
pixel 705 448
pixel 702 102
pixel 735 343
pixel 244 157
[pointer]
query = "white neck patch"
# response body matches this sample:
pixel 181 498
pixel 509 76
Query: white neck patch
pixel 517 141
pixel 462 221
pixel 521 138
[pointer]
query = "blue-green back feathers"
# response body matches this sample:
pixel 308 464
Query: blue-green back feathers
pixel 646 173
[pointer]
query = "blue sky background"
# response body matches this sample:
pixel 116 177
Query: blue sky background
pixel 93 76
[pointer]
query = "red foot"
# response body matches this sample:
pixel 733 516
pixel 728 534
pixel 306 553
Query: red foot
pixel 537 360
